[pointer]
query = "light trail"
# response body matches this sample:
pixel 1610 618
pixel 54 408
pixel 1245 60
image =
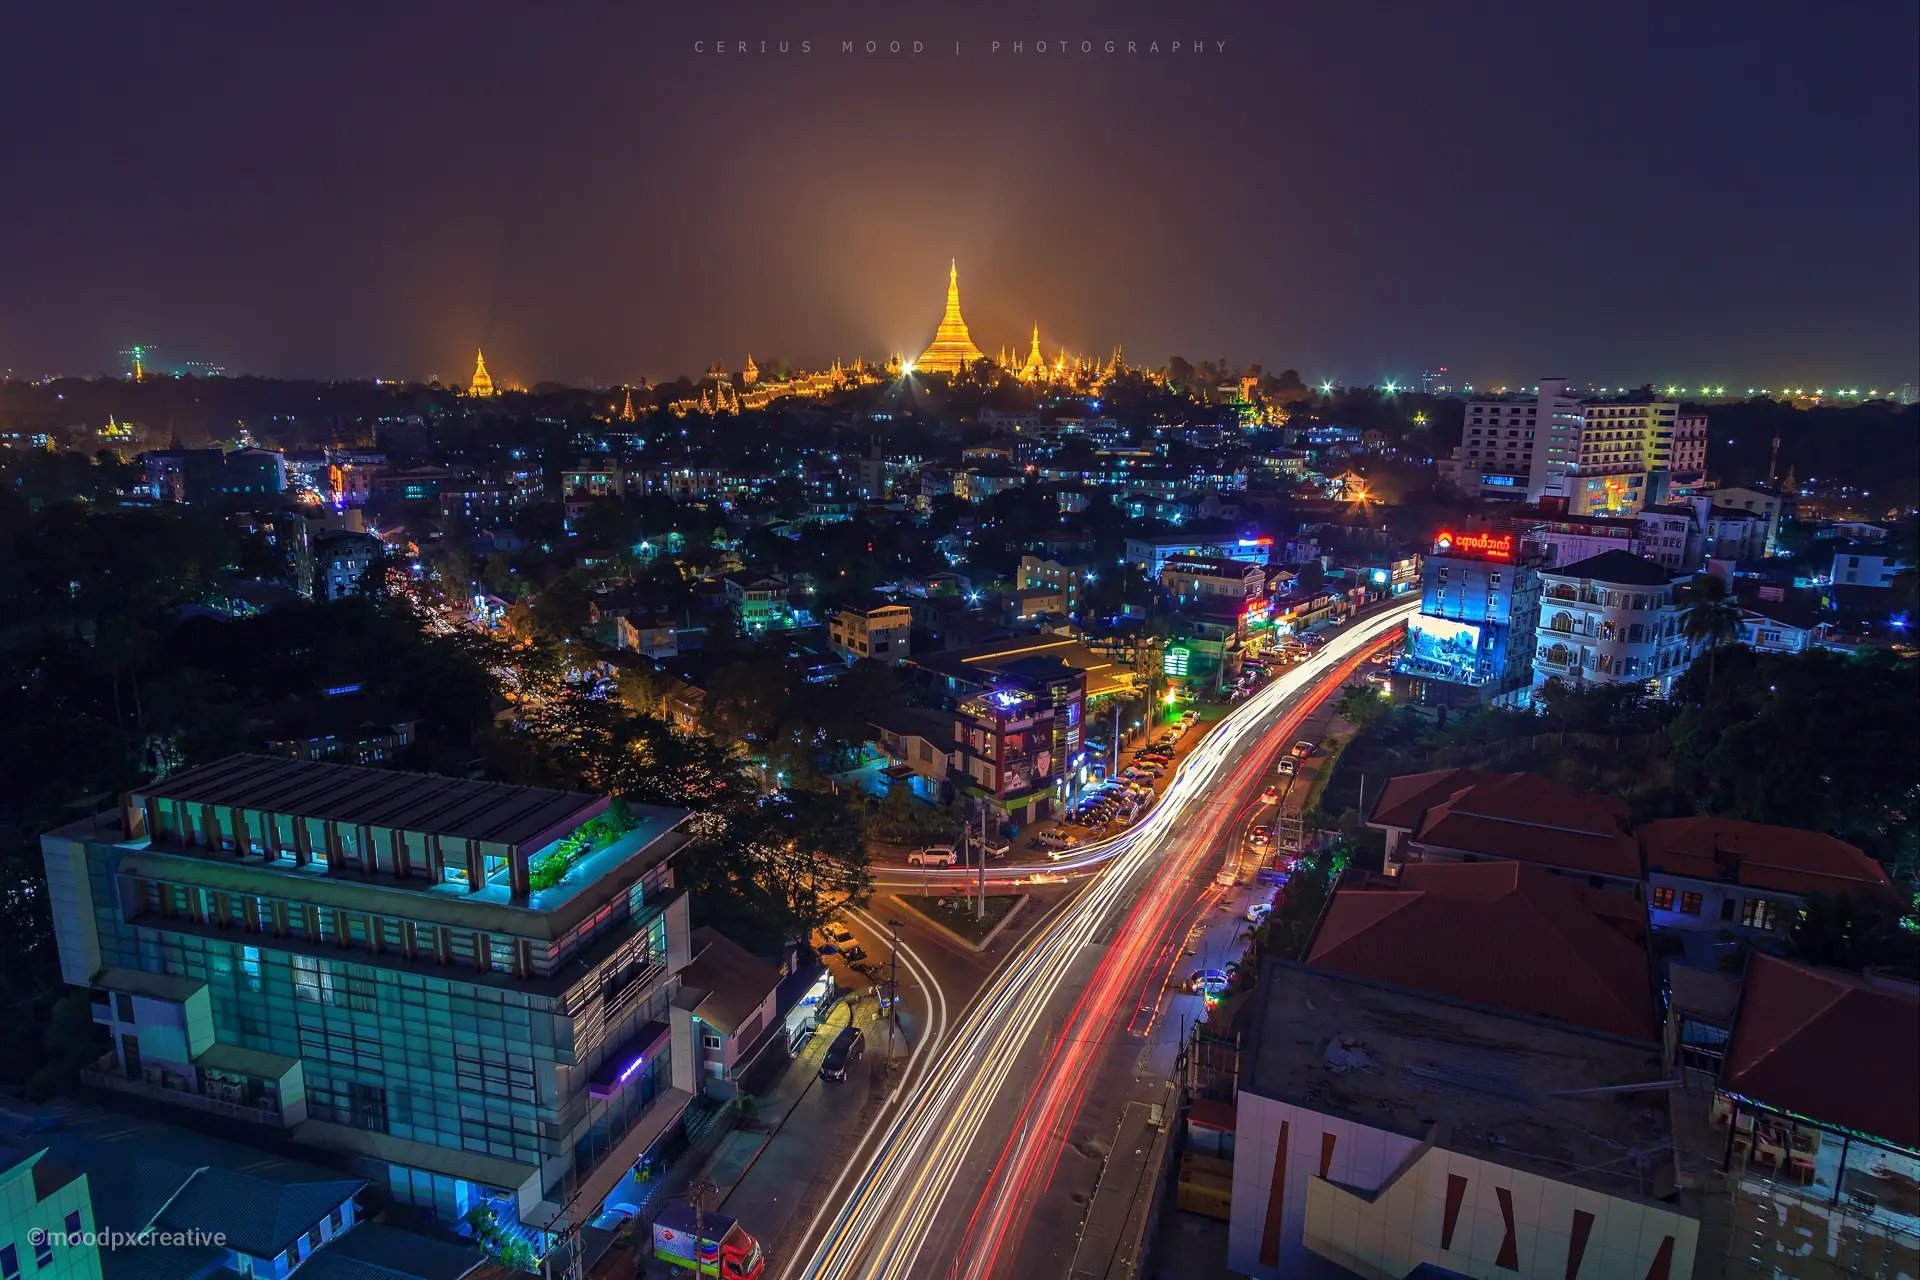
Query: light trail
pixel 1000 1217
pixel 896 1186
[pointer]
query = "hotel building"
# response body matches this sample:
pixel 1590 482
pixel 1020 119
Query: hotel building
pixel 459 990
pixel 1604 457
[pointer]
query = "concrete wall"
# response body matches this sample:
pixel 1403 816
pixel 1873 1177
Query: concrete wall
pixel 1376 1202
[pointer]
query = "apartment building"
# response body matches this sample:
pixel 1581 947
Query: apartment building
pixel 880 630
pixel 1212 580
pixel 457 990
pixel 1070 578
pixel 1613 618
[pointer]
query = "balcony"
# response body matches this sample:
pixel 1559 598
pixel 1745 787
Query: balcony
pixel 106 1074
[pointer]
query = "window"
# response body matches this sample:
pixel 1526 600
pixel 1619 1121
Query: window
pixel 1663 898
pixel 123 1006
pixel 9 1262
pixel 710 1040
pixel 43 1251
pixel 1760 913
pixel 1689 904
pixel 72 1223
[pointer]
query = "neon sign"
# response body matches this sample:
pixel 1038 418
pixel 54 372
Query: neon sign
pixel 1474 546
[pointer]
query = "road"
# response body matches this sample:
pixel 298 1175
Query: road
pixel 947 1183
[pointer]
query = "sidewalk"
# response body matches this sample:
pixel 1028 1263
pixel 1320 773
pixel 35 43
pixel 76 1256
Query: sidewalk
pixel 804 1135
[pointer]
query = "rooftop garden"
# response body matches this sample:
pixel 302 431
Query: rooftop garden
pixel 550 868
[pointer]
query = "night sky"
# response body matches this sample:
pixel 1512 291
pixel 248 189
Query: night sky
pixel 1677 190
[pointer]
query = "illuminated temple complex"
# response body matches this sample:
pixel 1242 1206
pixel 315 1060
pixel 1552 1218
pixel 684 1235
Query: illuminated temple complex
pixel 723 393
pixel 952 350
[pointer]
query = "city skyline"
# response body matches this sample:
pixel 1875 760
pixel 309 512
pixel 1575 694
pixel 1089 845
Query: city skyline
pixel 642 208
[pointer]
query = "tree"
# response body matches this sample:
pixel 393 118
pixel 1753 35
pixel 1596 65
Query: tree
pixel 1710 616
pixel 1362 706
pixel 1854 931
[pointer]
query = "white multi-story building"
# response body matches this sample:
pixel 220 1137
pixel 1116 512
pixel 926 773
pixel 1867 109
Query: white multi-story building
pixel 1515 448
pixel 1609 619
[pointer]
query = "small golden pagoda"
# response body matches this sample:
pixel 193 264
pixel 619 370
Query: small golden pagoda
pixel 1036 366
pixel 952 350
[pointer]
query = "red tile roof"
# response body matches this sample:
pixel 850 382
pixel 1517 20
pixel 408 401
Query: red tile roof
pixel 1502 935
pixel 1828 1046
pixel 1406 797
pixel 1758 855
pixel 1522 816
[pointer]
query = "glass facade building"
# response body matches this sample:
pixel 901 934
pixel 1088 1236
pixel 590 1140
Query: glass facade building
pixel 362 960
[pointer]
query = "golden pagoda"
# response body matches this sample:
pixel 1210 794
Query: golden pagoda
pixel 952 350
pixel 626 406
pixel 1036 366
pixel 482 384
pixel 751 373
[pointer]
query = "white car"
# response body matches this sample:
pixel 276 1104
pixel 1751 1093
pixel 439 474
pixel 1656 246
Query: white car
pixel 934 855
pixel 1258 912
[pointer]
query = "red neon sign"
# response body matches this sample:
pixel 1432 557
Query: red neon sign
pixel 1480 546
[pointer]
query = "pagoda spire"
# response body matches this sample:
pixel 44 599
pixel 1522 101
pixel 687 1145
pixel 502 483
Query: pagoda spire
pixel 482 384
pixel 952 350
pixel 1036 366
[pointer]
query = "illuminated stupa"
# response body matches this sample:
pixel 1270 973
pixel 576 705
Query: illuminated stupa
pixel 1036 366
pixel 952 350
pixel 482 384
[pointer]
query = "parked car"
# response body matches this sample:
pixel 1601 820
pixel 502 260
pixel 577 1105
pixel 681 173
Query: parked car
pixel 1260 837
pixel 616 1216
pixel 1053 840
pixel 934 855
pixel 1207 980
pixel 838 933
pixel 1303 749
pixel 1270 796
pixel 853 954
pixel 1287 767
pixel 847 1048
pixel 1259 911
pixel 997 848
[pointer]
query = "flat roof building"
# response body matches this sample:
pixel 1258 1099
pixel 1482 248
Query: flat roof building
pixel 1381 1129
pixel 459 989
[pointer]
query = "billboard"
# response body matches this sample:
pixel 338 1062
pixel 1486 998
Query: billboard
pixel 1444 642
pixel 1474 546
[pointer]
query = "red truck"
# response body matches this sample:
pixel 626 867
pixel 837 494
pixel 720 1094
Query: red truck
pixel 725 1249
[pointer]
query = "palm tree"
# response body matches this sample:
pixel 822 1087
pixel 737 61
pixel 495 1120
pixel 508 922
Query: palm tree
pixel 1710 615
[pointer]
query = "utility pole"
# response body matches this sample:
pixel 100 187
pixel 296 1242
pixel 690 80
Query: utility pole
pixel 698 1193
pixel 980 912
pixel 893 986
